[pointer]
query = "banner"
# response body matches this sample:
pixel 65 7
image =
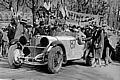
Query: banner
pixel 82 18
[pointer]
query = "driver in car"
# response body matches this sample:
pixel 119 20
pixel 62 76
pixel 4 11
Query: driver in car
pixel 39 28
pixel 78 34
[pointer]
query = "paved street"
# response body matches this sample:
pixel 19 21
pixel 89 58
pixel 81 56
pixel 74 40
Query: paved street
pixel 73 71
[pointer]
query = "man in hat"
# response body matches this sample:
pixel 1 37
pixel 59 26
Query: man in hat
pixel 88 41
pixel 39 28
pixel 12 29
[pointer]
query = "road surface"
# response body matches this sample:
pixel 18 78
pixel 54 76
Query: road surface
pixel 76 70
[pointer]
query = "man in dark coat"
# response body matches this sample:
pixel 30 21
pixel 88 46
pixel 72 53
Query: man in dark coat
pixel 12 29
pixel 39 28
pixel 97 45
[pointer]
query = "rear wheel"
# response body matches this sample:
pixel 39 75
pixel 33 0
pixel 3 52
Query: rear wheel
pixel 13 57
pixel 55 59
pixel 90 60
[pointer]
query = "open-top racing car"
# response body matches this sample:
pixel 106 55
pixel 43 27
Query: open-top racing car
pixel 51 50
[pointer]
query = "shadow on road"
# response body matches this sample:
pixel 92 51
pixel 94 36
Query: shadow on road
pixel 81 63
pixel 44 68
pixel 39 68
pixel 4 66
pixel 3 63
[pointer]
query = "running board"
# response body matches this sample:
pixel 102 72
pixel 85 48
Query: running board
pixel 35 47
pixel 35 63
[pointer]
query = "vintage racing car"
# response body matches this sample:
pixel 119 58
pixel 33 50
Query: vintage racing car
pixel 51 50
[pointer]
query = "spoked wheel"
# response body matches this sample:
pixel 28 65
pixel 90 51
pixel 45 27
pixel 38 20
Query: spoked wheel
pixel 14 57
pixel 55 59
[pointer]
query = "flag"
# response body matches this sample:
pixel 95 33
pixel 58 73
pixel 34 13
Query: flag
pixel 66 11
pixel 47 6
pixel 62 10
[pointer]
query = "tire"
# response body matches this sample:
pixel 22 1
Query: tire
pixel 55 59
pixel 90 61
pixel 11 57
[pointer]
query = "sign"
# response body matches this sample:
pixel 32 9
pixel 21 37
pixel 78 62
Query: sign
pixel 72 44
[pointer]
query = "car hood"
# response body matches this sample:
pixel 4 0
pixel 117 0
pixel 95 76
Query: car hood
pixel 60 38
pixel 50 38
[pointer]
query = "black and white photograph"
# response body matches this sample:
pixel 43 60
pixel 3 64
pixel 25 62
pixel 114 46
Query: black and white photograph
pixel 59 39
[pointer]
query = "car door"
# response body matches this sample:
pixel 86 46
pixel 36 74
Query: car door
pixel 77 47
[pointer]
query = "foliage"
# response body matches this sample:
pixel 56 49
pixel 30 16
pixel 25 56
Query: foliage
pixel 6 4
pixel 93 6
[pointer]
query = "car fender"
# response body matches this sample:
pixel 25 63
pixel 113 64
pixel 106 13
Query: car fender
pixel 58 43
pixel 49 48
pixel 14 41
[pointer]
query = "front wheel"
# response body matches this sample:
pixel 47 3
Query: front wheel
pixel 55 59
pixel 13 57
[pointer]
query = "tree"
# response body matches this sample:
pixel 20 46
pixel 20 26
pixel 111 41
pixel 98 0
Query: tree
pixel 83 6
pixel 11 5
pixel 34 6
pixel 72 5
pixel 93 6
pixel 7 4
